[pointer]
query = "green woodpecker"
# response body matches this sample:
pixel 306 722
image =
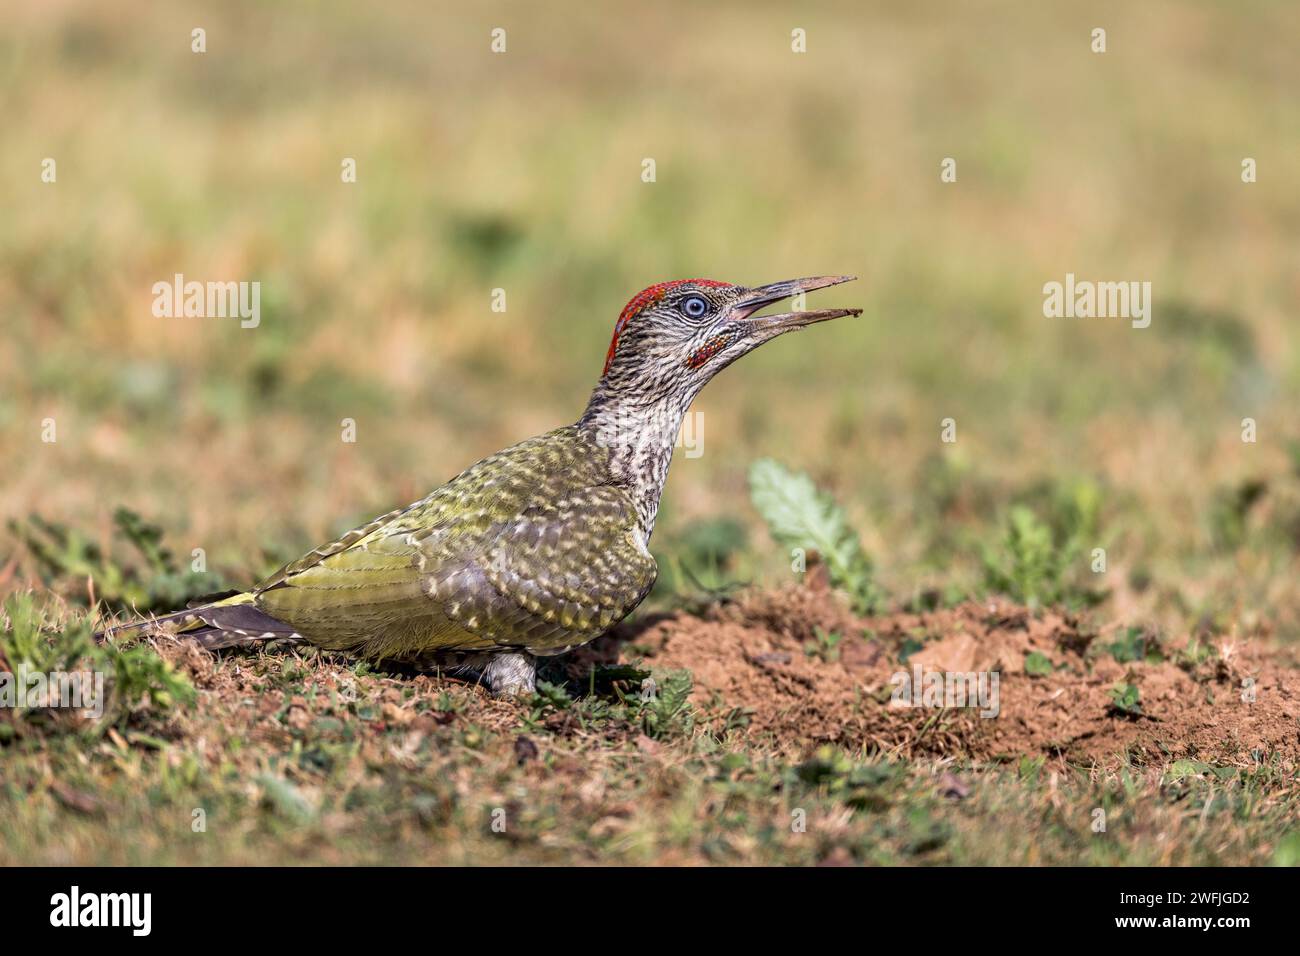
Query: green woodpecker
pixel 538 548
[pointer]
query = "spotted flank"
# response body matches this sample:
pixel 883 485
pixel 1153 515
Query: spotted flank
pixel 534 550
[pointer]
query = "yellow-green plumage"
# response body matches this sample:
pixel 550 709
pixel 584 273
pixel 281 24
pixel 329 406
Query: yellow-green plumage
pixel 532 548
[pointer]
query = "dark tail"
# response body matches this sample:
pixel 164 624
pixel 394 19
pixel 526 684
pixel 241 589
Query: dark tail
pixel 226 623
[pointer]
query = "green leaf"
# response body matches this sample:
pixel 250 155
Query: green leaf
pixel 826 645
pixel 1288 850
pixel 1188 767
pixel 1180 769
pixel 1135 645
pixel 1040 558
pixel 1028 567
pixel 285 799
pixel 798 515
pixel 1126 699
pixel 909 647
pixel 1038 664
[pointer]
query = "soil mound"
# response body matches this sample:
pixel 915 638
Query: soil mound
pixel 808 672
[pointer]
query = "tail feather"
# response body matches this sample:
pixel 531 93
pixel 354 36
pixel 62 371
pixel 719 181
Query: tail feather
pixel 215 639
pixel 225 623
pixel 213 598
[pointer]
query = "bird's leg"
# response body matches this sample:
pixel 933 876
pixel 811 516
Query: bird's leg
pixel 509 675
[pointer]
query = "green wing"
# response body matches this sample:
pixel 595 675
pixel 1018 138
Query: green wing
pixel 527 549
pixel 567 572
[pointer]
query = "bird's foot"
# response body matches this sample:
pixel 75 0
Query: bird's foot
pixel 511 675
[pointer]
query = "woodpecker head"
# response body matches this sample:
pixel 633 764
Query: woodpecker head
pixel 675 336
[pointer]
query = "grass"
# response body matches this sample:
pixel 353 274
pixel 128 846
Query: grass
pixel 296 756
pixel 135 678
pixel 192 455
pixel 347 767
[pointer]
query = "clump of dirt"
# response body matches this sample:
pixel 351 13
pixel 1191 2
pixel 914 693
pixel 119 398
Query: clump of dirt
pixel 808 672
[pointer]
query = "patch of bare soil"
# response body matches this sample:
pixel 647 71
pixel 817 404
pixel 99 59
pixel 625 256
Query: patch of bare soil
pixel 768 653
pixel 771 654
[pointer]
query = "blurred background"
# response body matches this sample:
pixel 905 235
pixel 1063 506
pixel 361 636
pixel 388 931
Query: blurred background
pixel 522 171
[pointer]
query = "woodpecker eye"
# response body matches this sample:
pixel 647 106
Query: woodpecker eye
pixel 695 306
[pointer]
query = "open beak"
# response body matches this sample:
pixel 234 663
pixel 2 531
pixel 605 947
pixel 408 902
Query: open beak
pixel 756 299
